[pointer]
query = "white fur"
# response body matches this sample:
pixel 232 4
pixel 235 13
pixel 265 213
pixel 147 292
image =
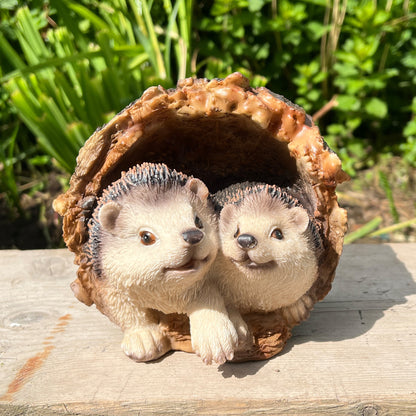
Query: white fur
pixel 282 270
pixel 142 278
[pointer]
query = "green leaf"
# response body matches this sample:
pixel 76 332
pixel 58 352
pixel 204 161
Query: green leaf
pixel 262 52
pixel 322 3
pixel 259 81
pixel 346 70
pixel 29 37
pixel 255 5
pixel 316 30
pixel 353 123
pixel 8 4
pixel 222 7
pixel 336 129
pixel 363 231
pixel 410 129
pixel 348 103
pixel 88 15
pixel 385 184
pixel 79 57
pixel 409 60
pixel 39 160
pixel 11 55
pixel 150 26
pixel 393 228
pixel 172 29
pixel 313 95
pixel 414 105
pixel 376 108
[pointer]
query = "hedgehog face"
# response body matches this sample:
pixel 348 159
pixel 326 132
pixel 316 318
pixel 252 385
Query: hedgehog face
pixel 166 238
pixel 265 239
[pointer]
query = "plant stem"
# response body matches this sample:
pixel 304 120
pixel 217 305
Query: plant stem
pixel 327 107
pixel 393 228
pixel 384 183
pixel 364 231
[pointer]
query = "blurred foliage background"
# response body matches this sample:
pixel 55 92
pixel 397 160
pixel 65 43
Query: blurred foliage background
pixel 67 67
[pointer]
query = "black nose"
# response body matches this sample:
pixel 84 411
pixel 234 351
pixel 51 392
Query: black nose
pixel 246 241
pixel 193 236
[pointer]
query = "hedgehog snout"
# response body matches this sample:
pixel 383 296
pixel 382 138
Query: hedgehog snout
pixel 193 236
pixel 246 241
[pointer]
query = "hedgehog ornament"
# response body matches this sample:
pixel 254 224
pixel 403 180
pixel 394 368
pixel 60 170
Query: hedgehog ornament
pixel 222 132
pixel 152 241
pixel 270 251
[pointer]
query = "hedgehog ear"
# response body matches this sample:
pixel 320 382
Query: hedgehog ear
pixel 108 215
pixel 300 218
pixel 198 187
pixel 226 216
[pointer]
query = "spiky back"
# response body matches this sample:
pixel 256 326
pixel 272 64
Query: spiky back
pixel 154 176
pixel 236 193
pixel 146 175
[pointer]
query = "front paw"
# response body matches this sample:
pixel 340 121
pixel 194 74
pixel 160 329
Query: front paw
pixel 145 343
pixel 213 336
pixel 244 335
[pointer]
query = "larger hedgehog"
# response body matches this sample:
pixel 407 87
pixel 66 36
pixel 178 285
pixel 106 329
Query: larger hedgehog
pixel 153 238
pixel 270 251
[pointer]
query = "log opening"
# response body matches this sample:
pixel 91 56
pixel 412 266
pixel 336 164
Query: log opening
pixel 218 149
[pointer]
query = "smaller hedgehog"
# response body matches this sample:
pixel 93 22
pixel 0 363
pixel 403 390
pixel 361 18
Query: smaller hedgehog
pixel 270 251
pixel 152 240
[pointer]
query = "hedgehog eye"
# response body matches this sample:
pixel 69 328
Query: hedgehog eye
pixel 147 238
pixel 277 233
pixel 237 233
pixel 198 222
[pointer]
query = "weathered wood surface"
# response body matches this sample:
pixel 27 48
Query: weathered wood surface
pixel 355 355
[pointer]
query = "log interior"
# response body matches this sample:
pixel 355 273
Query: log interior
pixel 217 149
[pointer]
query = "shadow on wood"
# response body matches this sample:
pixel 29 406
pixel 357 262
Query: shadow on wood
pixel 370 280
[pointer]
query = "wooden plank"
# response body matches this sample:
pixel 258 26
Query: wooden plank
pixel 355 355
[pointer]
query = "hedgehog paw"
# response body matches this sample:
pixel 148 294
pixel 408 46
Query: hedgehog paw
pixel 298 311
pixel 214 337
pixel 244 336
pixel 145 343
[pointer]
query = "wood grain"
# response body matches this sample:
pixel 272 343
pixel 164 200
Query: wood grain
pixel 355 355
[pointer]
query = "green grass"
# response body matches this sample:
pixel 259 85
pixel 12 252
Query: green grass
pixel 65 84
pixel 363 231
